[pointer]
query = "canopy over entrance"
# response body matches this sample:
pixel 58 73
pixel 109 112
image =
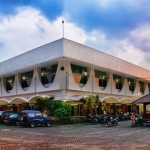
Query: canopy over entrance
pixel 142 100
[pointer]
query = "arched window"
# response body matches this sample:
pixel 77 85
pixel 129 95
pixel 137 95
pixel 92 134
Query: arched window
pixel 149 87
pixel 26 79
pixel 10 83
pixel 48 74
pixel 118 82
pixel 131 84
pixel 80 74
pixel 141 85
pixel 101 78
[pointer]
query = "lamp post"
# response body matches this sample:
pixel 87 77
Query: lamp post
pixel 67 74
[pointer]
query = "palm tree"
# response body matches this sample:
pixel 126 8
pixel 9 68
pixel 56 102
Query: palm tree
pixel 96 104
pixel 40 104
pixel 88 106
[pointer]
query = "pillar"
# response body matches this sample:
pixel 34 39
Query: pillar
pixel 19 107
pixel 144 110
pixel 100 108
pixel 114 109
pixel 123 107
pixel 13 109
pixel 108 106
pixel 27 105
pixel 4 107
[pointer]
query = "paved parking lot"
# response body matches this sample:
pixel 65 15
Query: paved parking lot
pixel 75 137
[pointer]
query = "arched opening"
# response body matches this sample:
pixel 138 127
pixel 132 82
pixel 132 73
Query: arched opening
pixel 110 105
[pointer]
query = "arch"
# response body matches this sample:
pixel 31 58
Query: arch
pixel 3 102
pixel 110 99
pixel 86 97
pixel 33 98
pixel 17 100
pixel 126 101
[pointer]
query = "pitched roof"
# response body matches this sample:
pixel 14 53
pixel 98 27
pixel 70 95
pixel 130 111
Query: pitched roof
pixel 144 99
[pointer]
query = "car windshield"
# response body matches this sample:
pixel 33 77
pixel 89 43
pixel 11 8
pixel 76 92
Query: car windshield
pixel 38 114
pixel 1 112
pixel 14 116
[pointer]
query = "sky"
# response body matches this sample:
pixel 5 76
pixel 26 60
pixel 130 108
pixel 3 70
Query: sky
pixel 117 27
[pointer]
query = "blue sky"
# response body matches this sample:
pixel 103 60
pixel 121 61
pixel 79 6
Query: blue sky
pixel 117 27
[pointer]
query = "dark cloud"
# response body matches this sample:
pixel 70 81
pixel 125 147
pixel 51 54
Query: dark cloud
pixel 49 8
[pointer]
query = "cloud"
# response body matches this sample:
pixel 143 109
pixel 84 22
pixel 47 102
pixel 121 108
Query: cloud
pixel 29 29
pixel 116 18
pixel 119 28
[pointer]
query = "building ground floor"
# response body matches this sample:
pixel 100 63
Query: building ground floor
pixel 79 108
pixel 79 102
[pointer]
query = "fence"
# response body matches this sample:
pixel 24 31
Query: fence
pixel 68 120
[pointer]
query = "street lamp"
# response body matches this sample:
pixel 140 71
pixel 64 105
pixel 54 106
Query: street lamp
pixel 67 74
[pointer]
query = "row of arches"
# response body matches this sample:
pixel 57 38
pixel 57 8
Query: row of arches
pixel 107 99
pixel 78 107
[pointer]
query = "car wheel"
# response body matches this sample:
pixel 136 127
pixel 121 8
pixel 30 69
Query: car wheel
pixel 48 123
pixel 32 124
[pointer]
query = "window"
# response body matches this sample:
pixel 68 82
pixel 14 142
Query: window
pixel 48 74
pixel 80 74
pixel 38 115
pixel 118 81
pixel 26 79
pixel 31 115
pixel 141 85
pixel 131 84
pixel 149 87
pixel 9 83
pixel 101 77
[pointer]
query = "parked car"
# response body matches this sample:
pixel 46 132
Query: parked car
pixel 33 118
pixel 12 119
pixel 1 116
pixel 4 114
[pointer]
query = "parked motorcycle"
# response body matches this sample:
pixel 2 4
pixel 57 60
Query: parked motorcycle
pixel 94 119
pixel 138 121
pixel 110 121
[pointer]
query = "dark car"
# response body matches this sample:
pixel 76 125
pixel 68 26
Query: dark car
pixel 4 114
pixel 1 116
pixel 12 119
pixel 33 118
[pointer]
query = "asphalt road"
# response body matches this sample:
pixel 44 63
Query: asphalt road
pixel 75 137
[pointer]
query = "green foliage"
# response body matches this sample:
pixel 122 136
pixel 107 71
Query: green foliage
pixel 96 104
pixel 97 99
pixel 89 103
pixel 53 107
pixel 40 104
pixel 60 112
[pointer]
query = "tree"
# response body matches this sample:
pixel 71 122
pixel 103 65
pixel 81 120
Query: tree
pixel 65 110
pixel 53 107
pixel 96 104
pixel 88 106
pixel 40 104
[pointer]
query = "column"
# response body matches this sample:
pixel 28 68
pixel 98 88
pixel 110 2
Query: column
pixel 13 109
pixel 27 105
pixel 144 110
pixel 19 107
pixel 114 109
pixel 108 106
pixel 123 108
pixel 100 108
pixel 4 107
